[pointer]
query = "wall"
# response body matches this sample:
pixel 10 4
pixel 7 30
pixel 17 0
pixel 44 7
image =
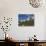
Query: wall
pixel 11 8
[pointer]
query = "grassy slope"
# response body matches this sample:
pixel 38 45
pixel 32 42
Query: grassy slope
pixel 27 23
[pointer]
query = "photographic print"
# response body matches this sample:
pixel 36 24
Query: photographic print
pixel 26 20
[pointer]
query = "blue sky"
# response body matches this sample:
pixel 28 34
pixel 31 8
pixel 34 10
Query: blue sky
pixel 24 16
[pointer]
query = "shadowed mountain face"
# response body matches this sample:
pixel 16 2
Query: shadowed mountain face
pixel 26 20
